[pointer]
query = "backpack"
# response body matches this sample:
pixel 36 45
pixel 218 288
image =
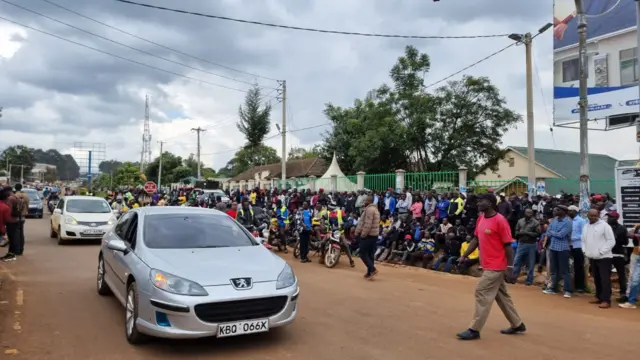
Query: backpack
pixel 18 207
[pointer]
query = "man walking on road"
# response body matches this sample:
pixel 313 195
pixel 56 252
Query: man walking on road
pixel 493 236
pixel 25 211
pixel 368 229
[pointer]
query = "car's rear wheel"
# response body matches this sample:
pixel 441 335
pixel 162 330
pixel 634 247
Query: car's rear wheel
pixel 134 337
pixel 103 288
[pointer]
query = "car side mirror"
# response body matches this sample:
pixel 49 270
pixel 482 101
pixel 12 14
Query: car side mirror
pixel 118 245
pixel 57 211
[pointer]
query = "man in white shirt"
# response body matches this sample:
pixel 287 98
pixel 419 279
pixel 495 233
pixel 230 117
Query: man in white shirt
pixel 597 242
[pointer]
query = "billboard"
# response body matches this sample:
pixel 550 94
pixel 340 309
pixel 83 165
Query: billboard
pixel 613 70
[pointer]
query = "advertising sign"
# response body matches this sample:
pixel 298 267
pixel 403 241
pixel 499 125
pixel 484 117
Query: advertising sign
pixel 613 71
pixel 628 191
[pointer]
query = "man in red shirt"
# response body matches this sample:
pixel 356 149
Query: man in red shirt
pixel 493 236
pixel 233 212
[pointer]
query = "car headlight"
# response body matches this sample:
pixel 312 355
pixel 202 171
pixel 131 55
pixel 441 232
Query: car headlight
pixel 286 278
pixel 175 284
pixel 70 221
pixel 112 221
pixel 39 205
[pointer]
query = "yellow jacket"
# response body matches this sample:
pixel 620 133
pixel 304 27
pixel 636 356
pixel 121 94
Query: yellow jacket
pixel 474 255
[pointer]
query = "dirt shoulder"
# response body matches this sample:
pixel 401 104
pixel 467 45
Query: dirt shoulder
pixel 7 310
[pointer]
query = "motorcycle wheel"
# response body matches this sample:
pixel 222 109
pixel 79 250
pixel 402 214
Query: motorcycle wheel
pixel 296 250
pixel 332 257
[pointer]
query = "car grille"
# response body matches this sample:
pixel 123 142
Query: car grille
pixel 238 310
pixel 88 223
pixel 91 236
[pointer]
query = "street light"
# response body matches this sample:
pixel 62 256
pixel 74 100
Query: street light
pixel 527 39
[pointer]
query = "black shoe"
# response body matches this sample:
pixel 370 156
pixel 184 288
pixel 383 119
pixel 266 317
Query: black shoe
pixel 468 335
pixel 622 299
pixel 8 257
pixel 514 330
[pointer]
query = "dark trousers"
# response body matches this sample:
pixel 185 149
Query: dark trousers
pixel 21 237
pixel 578 269
pixel 367 251
pixel 601 272
pixel 304 244
pixel 13 233
pixel 559 261
pixel 620 266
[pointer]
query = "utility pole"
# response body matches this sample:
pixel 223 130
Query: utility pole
pixel 527 40
pixel 583 104
pixel 284 135
pixel 160 165
pixel 198 130
pixel 21 174
pixel 638 47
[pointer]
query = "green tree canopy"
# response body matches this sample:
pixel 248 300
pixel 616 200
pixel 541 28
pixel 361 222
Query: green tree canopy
pixel 248 157
pixel 109 166
pixel 255 118
pixel 66 166
pixel 405 127
pixel 16 157
pixel 302 153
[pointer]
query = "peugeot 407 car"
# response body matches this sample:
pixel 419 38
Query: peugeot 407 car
pixel 193 272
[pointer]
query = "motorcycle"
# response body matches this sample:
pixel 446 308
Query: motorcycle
pixel 274 238
pixel 333 248
pixel 261 234
pixel 52 204
pixel 315 245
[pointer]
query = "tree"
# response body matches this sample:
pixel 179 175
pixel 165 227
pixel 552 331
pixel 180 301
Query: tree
pixel 247 157
pixel 302 153
pixel 405 127
pixel 180 173
pixel 50 175
pixel 169 163
pixel 192 163
pixel 127 175
pixel 208 173
pixel 20 159
pixel 66 166
pixel 109 166
pixel 255 119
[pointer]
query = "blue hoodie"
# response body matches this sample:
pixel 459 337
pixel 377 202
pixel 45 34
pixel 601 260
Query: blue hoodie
pixel 443 209
pixel 392 203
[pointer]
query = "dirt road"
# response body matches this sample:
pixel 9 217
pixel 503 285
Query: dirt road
pixel 50 310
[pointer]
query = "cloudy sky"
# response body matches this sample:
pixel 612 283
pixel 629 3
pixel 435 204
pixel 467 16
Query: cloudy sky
pixel 56 93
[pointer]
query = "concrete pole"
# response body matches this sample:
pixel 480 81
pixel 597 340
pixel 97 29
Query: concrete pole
pixel 530 120
pixel 583 104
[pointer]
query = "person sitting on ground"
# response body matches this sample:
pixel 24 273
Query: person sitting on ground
pixel 423 252
pixel 470 260
pixel 450 255
pixel 443 229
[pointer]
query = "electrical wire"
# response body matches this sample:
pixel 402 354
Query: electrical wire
pixel 272 137
pixel 120 57
pixel 544 99
pixel 326 31
pixel 158 44
pixel 127 46
pixel 472 65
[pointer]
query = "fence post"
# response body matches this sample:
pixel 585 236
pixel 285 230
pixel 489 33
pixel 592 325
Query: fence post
pixel 400 179
pixel 272 183
pixel 360 180
pixel 312 183
pixel 462 179
pixel 334 183
pixel 293 181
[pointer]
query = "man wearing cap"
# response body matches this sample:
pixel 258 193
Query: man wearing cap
pixel 597 242
pixel 576 248
pixel 559 235
pixel 621 234
pixel 493 237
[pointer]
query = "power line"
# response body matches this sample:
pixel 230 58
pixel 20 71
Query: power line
pixel 544 100
pixel 272 137
pixel 120 57
pixel 469 66
pixel 158 44
pixel 126 46
pixel 326 31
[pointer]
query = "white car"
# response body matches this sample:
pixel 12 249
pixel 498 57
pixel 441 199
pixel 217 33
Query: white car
pixel 217 192
pixel 81 218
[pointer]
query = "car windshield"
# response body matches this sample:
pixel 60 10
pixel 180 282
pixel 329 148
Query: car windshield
pixel 219 193
pixel 189 231
pixel 33 195
pixel 88 206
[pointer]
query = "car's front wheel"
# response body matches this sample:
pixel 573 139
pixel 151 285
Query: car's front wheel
pixel 103 288
pixel 60 239
pixel 134 337
pixel 53 234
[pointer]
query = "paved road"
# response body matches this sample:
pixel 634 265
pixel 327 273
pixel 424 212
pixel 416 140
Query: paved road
pixel 50 310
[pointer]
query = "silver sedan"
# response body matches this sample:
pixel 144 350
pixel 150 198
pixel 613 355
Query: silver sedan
pixel 193 272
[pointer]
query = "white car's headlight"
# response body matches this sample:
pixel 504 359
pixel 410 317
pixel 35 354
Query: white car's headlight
pixel 286 278
pixel 39 205
pixel 70 221
pixel 112 221
pixel 175 284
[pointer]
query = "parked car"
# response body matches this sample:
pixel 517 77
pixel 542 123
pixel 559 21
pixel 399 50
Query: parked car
pixel 81 218
pixel 188 272
pixel 35 203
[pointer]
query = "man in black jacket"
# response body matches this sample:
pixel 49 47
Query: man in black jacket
pixel 246 215
pixel 621 235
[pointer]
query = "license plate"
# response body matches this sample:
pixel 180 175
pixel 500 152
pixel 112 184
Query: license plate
pixel 243 327
pixel 93 231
